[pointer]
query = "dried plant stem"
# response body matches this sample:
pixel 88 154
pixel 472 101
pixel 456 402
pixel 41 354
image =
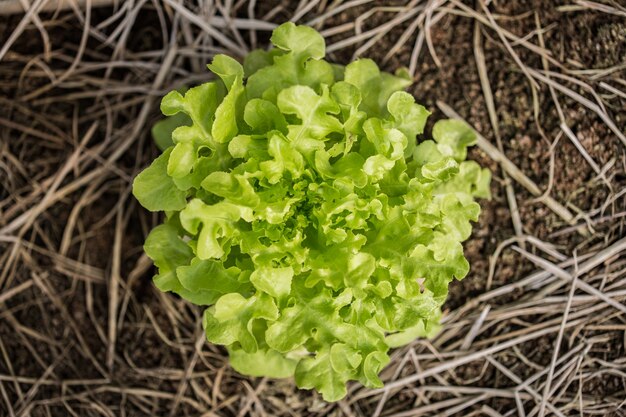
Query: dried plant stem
pixel 8 7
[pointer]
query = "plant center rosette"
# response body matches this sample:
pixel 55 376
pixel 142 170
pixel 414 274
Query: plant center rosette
pixel 301 209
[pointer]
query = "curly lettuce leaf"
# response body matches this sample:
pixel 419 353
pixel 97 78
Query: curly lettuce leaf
pixel 155 190
pixel 308 212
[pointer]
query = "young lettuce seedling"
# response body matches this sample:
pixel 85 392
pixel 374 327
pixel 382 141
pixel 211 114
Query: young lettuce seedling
pixel 302 211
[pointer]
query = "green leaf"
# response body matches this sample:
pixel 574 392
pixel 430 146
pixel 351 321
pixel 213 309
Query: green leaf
pixel 273 281
pixel 471 180
pixel 350 269
pixel 233 317
pixel 427 152
pixel 228 69
pixel 438 274
pixel 376 87
pixel 263 116
pixel 373 364
pixel 387 142
pixel 457 215
pixel 172 103
pixel 267 363
pixel 407 313
pixel 199 103
pixel 314 313
pixel 155 190
pixel 300 64
pixel 218 223
pixel 313 111
pixel 304 41
pixel 256 60
pixel 234 188
pixel 409 117
pixel 227 113
pixel 285 158
pixel 442 170
pixel 163 129
pixel 202 167
pixel 319 373
pixel 210 280
pixel 420 330
pixel 453 137
pixel 389 145
pixel 170 253
pixel 344 359
pixel 182 159
pixel 167 250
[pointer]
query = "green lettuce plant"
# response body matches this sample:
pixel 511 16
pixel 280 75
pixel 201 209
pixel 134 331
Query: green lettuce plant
pixel 302 211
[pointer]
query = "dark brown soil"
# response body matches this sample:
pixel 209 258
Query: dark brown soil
pixel 75 327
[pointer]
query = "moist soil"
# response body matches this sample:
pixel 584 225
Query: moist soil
pixel 593 40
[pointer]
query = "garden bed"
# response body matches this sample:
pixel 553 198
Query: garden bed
pixel 84 332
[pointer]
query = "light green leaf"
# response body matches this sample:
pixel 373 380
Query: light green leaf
pixel 163 129
pixel 268 363
pixel 172 103
pixel 256 60
pixel 427 152
pixel 298 65
pixel 313 111
pixel 376 87
pixel 263 116
pixel 233 317
pixel 409 117
pixel 218 225
pixel 453 137
pixel 182 159
pixel 304 41
pixel 442 170
pixel 285 158
pixel 199 103
pixel 420 330
pixel 228 69
pixel 387 142
pixel 170 253
pixel 273 281
pixel 225 126
pixel 373 364
pixel 167 250
pixel 234 188
pixel 314 313
pixel 210 280
pixel 155 190
pixel 344 359
pixel 318 373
